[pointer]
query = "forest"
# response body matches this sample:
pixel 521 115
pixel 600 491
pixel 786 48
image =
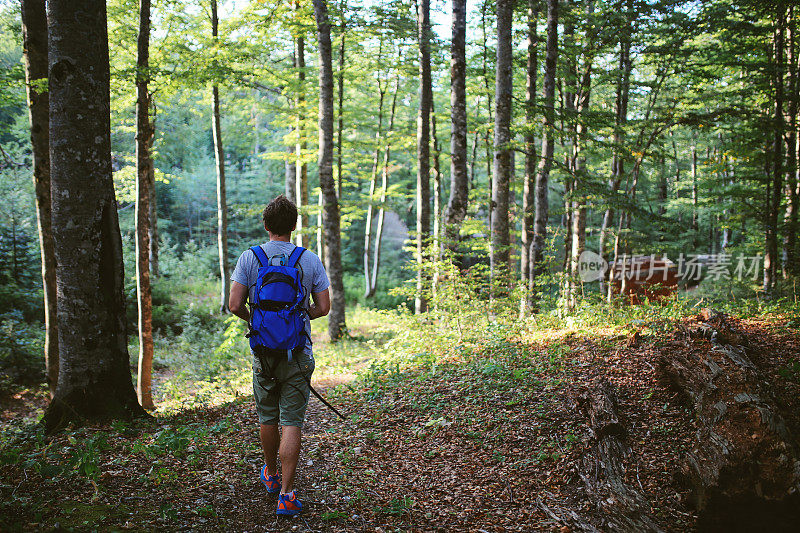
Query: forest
pixel 561 238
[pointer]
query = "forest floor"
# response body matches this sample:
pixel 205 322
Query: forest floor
pixel 485 436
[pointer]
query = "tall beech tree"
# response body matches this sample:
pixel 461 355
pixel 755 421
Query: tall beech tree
pixel 620 122
pixel 144 168
pixel 301 171
pixel 790 188
pixel 500 257
pixel 94 380
pixel 536 257
pixel 219 158
pixel 775 166
pixel 34 38
pixel 529 185
pixel 376 254
pixel 337 326
pixel 457 204
pixel 423 149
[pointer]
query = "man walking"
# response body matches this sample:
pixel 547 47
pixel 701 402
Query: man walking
pixel 281 384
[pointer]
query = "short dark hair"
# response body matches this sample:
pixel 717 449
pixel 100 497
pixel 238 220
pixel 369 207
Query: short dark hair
pixel 280 216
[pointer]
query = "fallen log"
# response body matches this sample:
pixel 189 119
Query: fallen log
pixel 620 507
pixel 743 468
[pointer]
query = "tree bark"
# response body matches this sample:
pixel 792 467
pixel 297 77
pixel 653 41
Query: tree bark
pixel 529 187
pixel 579 160
pixel 152 231
pixel 94 380
pixel 144 163
pixel 790 191
pixel 290 173
pixel 34 38
pixel 620 122
pixel 603 471
pixel 423 151
pixel 776 167
pixel 546 161
pixel 336 319
pixel 340 76
pixel 376 261
pixel 743 467
pixel 437 185
pixel 301 173
pixel 222 202
pixel 500 258
pixel 457 203
pixel 373 182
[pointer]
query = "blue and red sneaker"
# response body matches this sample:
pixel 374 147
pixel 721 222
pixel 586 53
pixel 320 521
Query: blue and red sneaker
pixel 289 505
pixel 273 483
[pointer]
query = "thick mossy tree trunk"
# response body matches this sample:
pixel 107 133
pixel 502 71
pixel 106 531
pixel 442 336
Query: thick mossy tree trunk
pixel 457 204
pixel 34 38
pixel 144 167
pixel 423 149
pixel 94 380
pixel 222 201
pixel 501 240
pixel 541 208
pixel 337 326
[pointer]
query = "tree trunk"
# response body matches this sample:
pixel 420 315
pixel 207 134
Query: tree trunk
pixel 337 326
pixel 775 187
pixel 536 257
pixel 582 100
pixel 529 187
pixel 790 191
pixel 144 163
pixel 695 207
pixel 340 76
pixel 457 204
pixel 620 122
pixel 623 508
pixel 500 258
pixel 423 151
pixel 437 184
pixel 34 37
pixel 743 466
pixel 373 183
pixel 290 174
pixel 94 380
pixel 301 173
pixel 152 231
pixel 222 202
pixel 376 261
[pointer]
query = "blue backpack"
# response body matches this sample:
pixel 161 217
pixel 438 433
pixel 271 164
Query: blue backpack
pixel 277 317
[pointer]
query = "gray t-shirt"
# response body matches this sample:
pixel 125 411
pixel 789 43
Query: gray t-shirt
pixel 314 277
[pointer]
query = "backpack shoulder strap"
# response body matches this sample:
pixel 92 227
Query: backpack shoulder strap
pixel 261 257
pixel 295 257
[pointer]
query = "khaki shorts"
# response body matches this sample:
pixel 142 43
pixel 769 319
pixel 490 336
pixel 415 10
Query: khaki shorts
pixel 282 394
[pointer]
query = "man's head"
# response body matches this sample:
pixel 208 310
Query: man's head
pixel 280 216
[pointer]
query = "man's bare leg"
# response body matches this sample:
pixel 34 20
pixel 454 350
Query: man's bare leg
pixel 290 451
pixel 269 446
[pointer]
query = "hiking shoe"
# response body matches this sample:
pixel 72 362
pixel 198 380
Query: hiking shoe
pixel 289 505
pixel 273 483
